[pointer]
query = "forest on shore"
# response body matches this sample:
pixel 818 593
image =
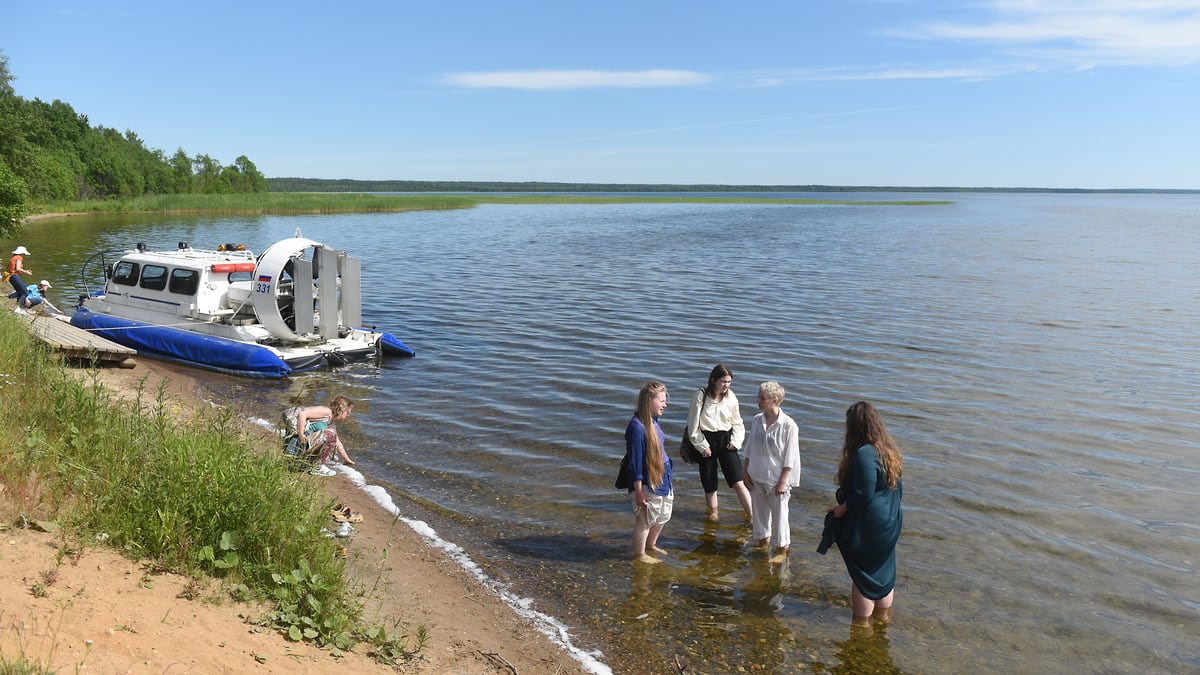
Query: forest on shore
pixel 49 152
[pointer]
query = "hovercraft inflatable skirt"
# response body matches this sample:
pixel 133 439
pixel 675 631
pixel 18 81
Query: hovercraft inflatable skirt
pixel 195 349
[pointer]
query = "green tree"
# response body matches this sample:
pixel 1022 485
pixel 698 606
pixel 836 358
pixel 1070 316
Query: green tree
pixel 13 197
pixel 252 180
pixel 55 154
pixel 181 170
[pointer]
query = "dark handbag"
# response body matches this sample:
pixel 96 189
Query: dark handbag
pixel 622 482
pixel 293 445
pixel 687 450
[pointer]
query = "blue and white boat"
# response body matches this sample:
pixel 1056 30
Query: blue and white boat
pixel 296 307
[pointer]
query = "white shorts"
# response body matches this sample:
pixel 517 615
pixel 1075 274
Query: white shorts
pixel 658 508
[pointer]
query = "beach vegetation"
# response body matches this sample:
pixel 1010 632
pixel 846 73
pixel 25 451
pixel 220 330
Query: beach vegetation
pixel 192 494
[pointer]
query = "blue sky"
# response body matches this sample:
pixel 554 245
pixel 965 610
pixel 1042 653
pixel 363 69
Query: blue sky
pixel 1003 93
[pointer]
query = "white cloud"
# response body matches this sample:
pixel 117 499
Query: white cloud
pixel 577 79
pixel 1083 33
pixel 851 74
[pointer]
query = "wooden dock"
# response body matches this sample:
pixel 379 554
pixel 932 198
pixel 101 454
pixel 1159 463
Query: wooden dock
pixel 77 343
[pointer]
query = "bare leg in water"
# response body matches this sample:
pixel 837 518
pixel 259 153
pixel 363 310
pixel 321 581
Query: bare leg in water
pixel 865 608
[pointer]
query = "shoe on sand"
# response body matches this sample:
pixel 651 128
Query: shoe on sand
pixel 322 470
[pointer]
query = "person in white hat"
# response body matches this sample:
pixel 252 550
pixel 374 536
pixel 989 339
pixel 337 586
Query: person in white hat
pixel 15 269
pixel 37 296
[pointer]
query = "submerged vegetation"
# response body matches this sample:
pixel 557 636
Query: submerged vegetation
pixel 293 203
pixel 190 497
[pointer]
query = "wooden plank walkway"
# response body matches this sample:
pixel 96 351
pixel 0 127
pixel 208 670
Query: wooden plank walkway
pixel 78 343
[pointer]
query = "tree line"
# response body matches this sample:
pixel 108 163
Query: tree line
pixel 49 152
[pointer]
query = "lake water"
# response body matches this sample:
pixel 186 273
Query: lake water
pixel 1035 356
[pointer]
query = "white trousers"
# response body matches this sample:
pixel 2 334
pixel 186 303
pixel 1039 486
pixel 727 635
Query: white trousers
pixel 770 514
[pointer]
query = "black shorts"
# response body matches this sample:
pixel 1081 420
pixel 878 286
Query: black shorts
pixel 729 461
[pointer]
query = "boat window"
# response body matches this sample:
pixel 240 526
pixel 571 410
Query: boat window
pixel 240 276
pixel 184 281
pixel 154 278
pixel 125 273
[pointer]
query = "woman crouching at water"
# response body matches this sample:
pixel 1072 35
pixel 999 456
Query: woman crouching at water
pixel 649 472
pixel 317 425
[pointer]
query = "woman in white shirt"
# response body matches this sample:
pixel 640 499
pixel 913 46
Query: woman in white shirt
pixel 772 469
pixel 715 427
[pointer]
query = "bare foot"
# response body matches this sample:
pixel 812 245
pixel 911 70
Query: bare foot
pixel 714 515
pixel 646 560
pixel 781 554
pixel 860 627
pixel 762 544
pixel 659 551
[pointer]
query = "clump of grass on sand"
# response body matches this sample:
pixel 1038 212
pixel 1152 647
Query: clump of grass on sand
pixel 193 497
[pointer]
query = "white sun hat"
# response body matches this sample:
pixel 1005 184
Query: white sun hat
pixel 45 283
pixel 21 250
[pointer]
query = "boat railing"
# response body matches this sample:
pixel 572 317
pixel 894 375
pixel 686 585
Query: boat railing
pixel 106 268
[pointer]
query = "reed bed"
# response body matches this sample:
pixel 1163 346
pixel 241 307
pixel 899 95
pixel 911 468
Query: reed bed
pixel 262 203
pixel 295 203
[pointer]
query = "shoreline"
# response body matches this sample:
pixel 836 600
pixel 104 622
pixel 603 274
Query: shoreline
pixel 407 573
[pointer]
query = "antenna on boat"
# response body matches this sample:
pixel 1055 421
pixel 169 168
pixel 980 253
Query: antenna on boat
pixel 298 235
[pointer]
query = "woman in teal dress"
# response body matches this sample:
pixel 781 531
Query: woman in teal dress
pixel 866 522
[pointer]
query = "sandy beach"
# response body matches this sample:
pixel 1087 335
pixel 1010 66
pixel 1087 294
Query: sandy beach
pixel 95 611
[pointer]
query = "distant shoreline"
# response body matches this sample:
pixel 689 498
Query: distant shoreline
pixel 292 184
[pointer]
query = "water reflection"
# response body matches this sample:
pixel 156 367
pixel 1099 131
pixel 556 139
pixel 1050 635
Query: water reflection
pixel 866 651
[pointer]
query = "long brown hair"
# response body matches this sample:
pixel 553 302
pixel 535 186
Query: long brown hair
pixel 719 371
pixel 654 460
pixel 863 426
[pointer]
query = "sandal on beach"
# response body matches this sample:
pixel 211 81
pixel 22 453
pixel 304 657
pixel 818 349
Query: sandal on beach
pixel 347 515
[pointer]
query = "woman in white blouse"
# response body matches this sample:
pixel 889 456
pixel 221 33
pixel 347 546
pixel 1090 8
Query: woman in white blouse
pixel 715 427
pixel 772 469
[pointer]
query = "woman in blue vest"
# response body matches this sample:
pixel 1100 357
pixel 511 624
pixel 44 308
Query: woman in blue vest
pixel 649 472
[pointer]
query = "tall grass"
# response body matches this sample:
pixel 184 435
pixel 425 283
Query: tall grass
pixel 194 497
pixel 291 203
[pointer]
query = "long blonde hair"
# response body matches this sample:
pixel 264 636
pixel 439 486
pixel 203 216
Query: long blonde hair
pixel 654 460
pixel 863 426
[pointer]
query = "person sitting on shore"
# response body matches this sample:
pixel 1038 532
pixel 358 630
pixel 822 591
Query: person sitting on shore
pixel 318 426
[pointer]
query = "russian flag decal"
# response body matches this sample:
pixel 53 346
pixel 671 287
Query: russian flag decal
pixel 264 278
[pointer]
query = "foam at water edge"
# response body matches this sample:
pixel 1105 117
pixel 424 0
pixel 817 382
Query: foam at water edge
pixel 546 624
